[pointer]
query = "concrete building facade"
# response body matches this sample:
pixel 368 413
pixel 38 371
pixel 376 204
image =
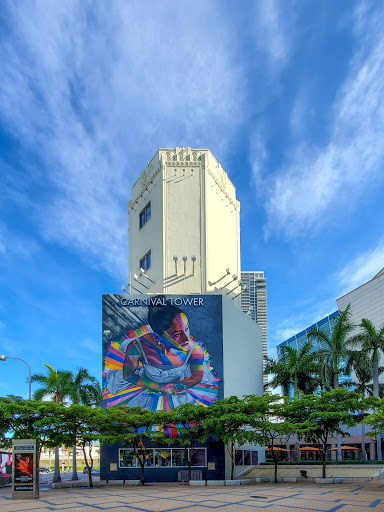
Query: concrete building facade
pixel 192 233
pixel 367 301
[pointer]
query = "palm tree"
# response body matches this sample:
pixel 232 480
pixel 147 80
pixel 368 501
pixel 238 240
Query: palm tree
pixel 333 350
pixel 84 390
pixel 295 369
pixel 333 347
pixel 370 342
pixel 57 385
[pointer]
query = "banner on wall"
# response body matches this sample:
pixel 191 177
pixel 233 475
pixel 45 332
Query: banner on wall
pixel 160 352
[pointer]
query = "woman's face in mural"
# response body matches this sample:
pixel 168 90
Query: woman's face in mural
pixel 179 330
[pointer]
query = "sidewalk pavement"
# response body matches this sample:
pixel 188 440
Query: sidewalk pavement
pixel 303 497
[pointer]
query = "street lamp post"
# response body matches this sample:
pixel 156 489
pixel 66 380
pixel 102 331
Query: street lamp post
pixel 4 358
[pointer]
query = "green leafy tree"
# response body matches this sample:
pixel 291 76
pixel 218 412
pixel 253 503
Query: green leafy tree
pixel 76 424
pixel 55 385
pixel 370 344
pixel 227 420
pixel 188 421
pixel 84 389
pixel 333 351
pixel 318 416
pixel 21 419
pixel 376 419
pixel 267 416
pixel 134 426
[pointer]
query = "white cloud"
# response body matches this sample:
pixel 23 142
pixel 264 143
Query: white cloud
pixel 272 31
pixel 92 90
pixel 360 270
pixel 320 183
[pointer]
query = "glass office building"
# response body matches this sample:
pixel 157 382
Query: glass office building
pixel 298 340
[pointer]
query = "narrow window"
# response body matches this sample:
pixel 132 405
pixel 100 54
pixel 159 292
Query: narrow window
pixel 145 261
pixel 145 215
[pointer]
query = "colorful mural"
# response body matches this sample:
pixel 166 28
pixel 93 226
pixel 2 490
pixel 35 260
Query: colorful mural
pixel 161 352
pixel 5 464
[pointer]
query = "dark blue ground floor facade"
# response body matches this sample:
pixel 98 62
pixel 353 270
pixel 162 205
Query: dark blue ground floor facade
pixel 163 462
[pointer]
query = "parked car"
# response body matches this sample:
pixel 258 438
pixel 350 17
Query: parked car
pixel 45 470
pixel 95 471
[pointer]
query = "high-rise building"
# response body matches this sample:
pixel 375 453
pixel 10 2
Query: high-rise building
pixel 194 343
pixel 254 303
pixel 184 226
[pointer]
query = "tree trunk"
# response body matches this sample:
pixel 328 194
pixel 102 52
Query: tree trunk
pixel 376 379
pixel 89 468
pixel 56 475
pixel 142 467
pixel 74 463
pixel 232 460
pixel 324 468
pixel 363 450
pixel 275 463
pixel 336 380
pixel 339 455
pixel 189 459
pixel 297 448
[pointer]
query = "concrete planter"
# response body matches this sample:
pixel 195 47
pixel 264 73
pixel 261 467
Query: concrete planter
pixel 197 483
pixel 61 485
pixel 232 482
pixel 132 482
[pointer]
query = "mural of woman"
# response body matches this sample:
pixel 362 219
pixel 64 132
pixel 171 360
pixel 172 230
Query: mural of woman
pixel 161 365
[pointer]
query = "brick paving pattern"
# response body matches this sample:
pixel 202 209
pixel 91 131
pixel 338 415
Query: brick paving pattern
pixel 307 497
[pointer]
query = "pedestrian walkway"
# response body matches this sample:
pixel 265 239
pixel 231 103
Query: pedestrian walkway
pixel 307 497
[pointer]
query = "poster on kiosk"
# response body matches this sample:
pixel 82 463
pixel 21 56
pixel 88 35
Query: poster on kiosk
pixel 25 481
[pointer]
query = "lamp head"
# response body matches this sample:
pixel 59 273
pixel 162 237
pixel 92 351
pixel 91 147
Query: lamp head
pixel 193 257
pixel 142 271
pixel 184 257
pixel 123 288
pixel 210 284
pixel 135 276
pixel 234 277
pixel 3 357
pixel 228 271
pixel 175 258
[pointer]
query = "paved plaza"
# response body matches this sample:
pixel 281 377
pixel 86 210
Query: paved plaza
pixel 304 497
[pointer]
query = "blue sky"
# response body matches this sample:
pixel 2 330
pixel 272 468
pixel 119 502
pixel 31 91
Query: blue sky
pixel 287 95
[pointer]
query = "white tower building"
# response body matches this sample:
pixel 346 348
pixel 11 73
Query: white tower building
pixel 254 303
pixel 184 226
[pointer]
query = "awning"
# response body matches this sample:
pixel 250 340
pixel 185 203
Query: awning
pixel 352 448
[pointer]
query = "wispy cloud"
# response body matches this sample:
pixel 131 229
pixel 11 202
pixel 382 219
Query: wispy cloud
pixel 320 182
pixel 273 33
pixel 361 269
pixel 310 311
pixel 91 91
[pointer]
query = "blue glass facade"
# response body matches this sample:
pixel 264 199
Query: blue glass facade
pixel 298 340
